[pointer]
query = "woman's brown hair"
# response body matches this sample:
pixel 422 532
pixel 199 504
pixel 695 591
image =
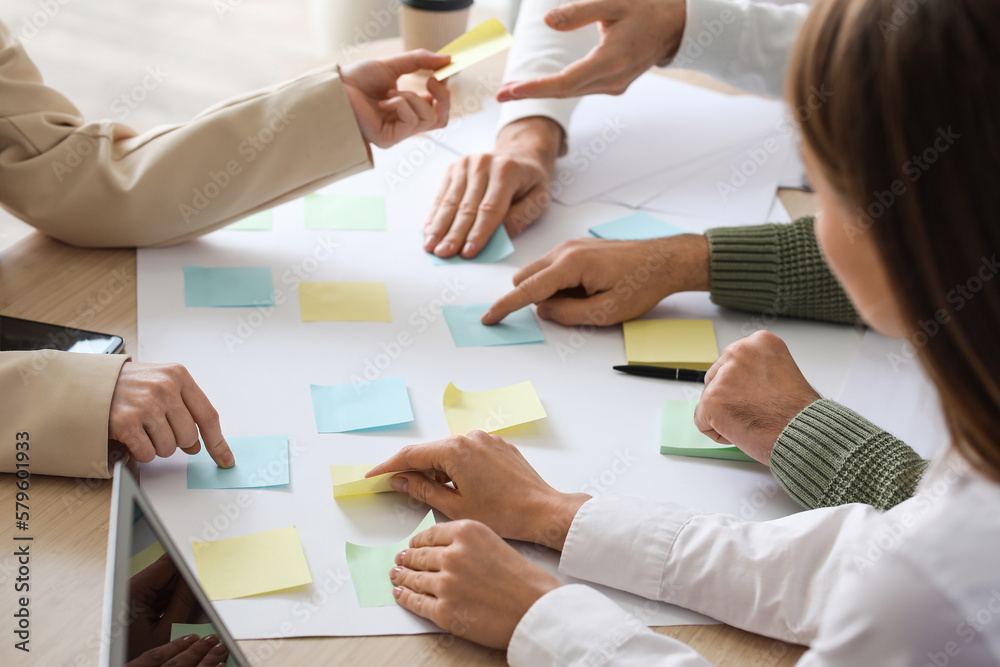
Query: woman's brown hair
pixel 899 106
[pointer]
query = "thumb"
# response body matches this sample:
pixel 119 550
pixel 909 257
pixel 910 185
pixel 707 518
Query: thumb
pixel 578 14
pixel 413 61
pixel 419 487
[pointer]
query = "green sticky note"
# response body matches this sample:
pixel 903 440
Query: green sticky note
pixel 635 227
pixel 258 222
pixel 360 405
pixel 497 248
pixel 261 461
pixel 468 331
pixel 370 567
pixel 178 630
pixel 345 212
pixel 680 437
pixel 228 286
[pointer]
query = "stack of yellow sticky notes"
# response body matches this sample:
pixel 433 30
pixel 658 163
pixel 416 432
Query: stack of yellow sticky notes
pixel 671 343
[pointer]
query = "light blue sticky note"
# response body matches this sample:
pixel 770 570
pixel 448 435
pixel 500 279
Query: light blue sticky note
pixel 258 222
pixel 261 461
pixel 635 227
pixel 228 286
pixel 467 331
pixel 359 405
pixel 497 248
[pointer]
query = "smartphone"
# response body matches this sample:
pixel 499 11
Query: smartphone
pixel 18 334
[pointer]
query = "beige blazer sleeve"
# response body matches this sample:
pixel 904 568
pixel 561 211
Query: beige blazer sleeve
pixel 57 403
pixel 102 184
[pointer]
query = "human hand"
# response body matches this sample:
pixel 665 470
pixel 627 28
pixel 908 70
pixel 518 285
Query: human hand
pixel 635 35
pixel 186 651
pixel 597 281
pixel 387 115
pixel 462 576
pixel 493 484
pixel 509 186
pixel 160 597
pixel 751 393
pixel 157 408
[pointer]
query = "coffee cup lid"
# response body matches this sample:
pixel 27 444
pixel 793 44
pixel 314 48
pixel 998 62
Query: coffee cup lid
pixel 437 5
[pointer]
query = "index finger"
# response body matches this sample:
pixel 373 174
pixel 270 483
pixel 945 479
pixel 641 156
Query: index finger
pixel 413 61
pixel 429 456
pixel 438 535
pixel 207 419
pixel 533 289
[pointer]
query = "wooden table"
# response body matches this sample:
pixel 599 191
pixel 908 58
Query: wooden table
pixel 46 280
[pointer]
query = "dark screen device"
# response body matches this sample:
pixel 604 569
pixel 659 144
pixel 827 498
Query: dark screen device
pixel 18 334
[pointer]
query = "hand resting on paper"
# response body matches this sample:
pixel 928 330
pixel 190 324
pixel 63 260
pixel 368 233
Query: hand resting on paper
pixel 158 408
pixel 635 35
pixel 751 394
pixel 464 577
pixel 493 483
pixel 602 282
pixel 509 186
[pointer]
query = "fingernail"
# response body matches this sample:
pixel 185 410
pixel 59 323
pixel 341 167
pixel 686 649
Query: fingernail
pixel 444 248
pixel 556 17
pixel 397 591
pixel 188 639
pixel 210 640
pixel 487 317
pixel 228 459
pixel 394 573
pixel 430 241
pixel 218 650
pixel 400 556
pixel 469 249
pixel 400 484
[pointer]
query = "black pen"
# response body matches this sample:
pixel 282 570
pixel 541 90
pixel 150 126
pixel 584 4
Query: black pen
pixel 685 374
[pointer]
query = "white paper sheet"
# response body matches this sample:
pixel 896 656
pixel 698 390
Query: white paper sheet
pixel 888 387
pixel 256 364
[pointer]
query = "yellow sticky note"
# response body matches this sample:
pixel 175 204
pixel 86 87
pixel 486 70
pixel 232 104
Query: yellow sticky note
pixel 491 410
pixel 350 481
pixel 486 39
pixel 145 558
pixel 344 302
pixel 252 564
pixel 671 343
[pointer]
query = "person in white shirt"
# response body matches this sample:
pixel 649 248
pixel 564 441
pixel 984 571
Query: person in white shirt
pixel 560 55
pixel 901 156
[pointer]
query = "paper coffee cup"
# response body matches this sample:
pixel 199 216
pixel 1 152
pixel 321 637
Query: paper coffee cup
pixel 430 24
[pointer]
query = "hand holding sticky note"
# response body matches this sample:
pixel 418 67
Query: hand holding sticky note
pixel 680 437
pixel 671 343
pixel 486 39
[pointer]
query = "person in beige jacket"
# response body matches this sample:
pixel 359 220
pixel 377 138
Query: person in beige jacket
pixel 103 184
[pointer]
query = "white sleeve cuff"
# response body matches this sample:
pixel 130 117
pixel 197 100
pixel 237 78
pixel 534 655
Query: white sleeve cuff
pixel 623 542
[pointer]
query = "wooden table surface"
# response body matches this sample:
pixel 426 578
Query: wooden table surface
pixel 46 280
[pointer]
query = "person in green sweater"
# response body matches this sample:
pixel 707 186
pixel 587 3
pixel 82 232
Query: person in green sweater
pixel 822 453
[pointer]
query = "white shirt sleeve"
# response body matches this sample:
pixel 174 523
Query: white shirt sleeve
pixel 742 43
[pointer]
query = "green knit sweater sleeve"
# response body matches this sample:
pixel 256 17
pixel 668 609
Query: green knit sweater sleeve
pixel 775 269
pixel 830 455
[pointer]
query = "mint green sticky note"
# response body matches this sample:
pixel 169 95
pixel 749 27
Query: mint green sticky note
pixel 497 248
pixel 680 437
pixel 635 227
pixel 370 567
pixel 360 405
pixel 345 212
pixel 228 286
pixel 467 331
pixel 258 222
pixel 178 630
pixel 261 461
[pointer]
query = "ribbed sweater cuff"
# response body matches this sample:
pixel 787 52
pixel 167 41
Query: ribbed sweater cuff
pixel 830 455
pixel 744 266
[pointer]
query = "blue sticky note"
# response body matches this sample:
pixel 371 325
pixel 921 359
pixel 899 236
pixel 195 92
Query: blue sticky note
pixel 359 405
pixel 497 248
pixel 467 331
pixel 228 286
pixel 635 227
pixel 260 461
